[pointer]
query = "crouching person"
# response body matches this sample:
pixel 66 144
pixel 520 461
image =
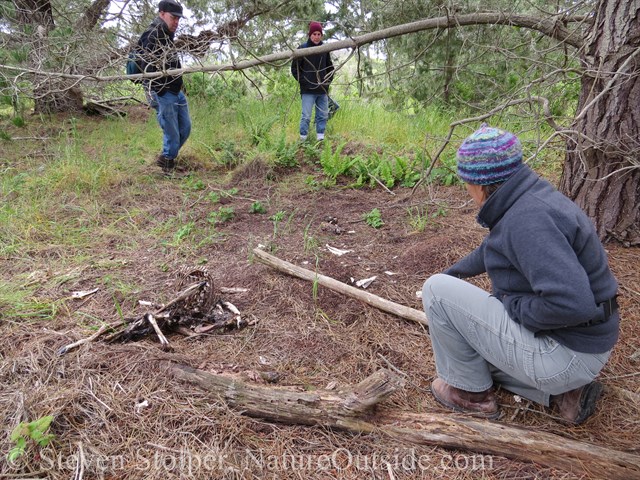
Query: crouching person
pixel 550 323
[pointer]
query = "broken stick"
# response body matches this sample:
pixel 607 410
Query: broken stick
pixel 100 331
pixel 373 300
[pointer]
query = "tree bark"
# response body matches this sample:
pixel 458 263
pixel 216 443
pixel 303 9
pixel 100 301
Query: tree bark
pixel 602 166
pixel 350 410
pixel 92 15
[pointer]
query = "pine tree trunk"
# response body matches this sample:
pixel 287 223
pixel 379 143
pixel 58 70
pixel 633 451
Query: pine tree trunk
pixel 602 169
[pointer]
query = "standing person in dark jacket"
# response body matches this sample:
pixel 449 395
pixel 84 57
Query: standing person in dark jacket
pixel 314 73
pixel 551 321
pixel 165 94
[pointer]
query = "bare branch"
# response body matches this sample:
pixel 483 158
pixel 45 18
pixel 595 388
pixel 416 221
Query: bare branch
pixel 550 27
pixel 541 100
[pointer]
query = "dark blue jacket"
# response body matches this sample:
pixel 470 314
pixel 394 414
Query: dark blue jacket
pixel 546 263
pixel 313 72
pixel 157 53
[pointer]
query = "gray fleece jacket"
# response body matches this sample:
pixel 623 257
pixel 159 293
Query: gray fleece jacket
pixel 546 263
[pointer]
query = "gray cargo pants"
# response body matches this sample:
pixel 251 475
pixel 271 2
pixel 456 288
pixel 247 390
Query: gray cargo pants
pixel 475 343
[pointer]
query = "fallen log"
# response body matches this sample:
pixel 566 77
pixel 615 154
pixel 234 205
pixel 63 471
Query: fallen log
pixel 337 286
pixel 290 406
pixel 348 410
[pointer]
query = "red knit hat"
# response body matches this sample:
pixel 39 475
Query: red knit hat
pixel 315 27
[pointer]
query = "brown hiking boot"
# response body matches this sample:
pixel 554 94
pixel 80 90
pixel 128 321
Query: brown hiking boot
pixel 575 406
pixel 478 404
pixel 166 164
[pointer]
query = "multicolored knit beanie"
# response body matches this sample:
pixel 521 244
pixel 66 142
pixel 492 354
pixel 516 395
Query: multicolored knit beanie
pixel 489 155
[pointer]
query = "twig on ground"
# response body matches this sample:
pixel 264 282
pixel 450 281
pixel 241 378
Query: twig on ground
pixel 100 331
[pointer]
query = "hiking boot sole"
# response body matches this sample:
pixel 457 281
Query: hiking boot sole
pixel 588 401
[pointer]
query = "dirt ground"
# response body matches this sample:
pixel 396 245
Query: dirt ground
pixel 118 410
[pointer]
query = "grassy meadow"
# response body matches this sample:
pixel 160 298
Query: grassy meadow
pixel 76 186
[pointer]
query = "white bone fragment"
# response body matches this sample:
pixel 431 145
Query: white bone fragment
pixel 337 251
pixel 84 293
pixel 365 282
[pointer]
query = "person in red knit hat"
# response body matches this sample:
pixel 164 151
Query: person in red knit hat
pixel 314 73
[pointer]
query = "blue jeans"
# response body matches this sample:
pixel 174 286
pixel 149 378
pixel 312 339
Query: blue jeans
pixel 173 116
pixel 321 101
pixel 476 343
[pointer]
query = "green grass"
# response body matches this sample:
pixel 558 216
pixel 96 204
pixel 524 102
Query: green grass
pixel 92 192
pixel 21 304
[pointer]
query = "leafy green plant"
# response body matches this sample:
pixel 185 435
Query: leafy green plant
pixel 333 163
pixel 285 155
pixel 406 171
pixel 213 197
pixel 224 153
pixel 384 173
pixel 222 215
pixel 310 152
pixel 374 218
pixel 257 207
pixel 257 127
pixel 229 193
pixel 441 212
pixel 315 281
pixel 419 217
pixel 195 184
pixel 278 216
pixel 25 431
pixel 183 232
pixel 310 181
pixel 277 219
pixel 445 172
